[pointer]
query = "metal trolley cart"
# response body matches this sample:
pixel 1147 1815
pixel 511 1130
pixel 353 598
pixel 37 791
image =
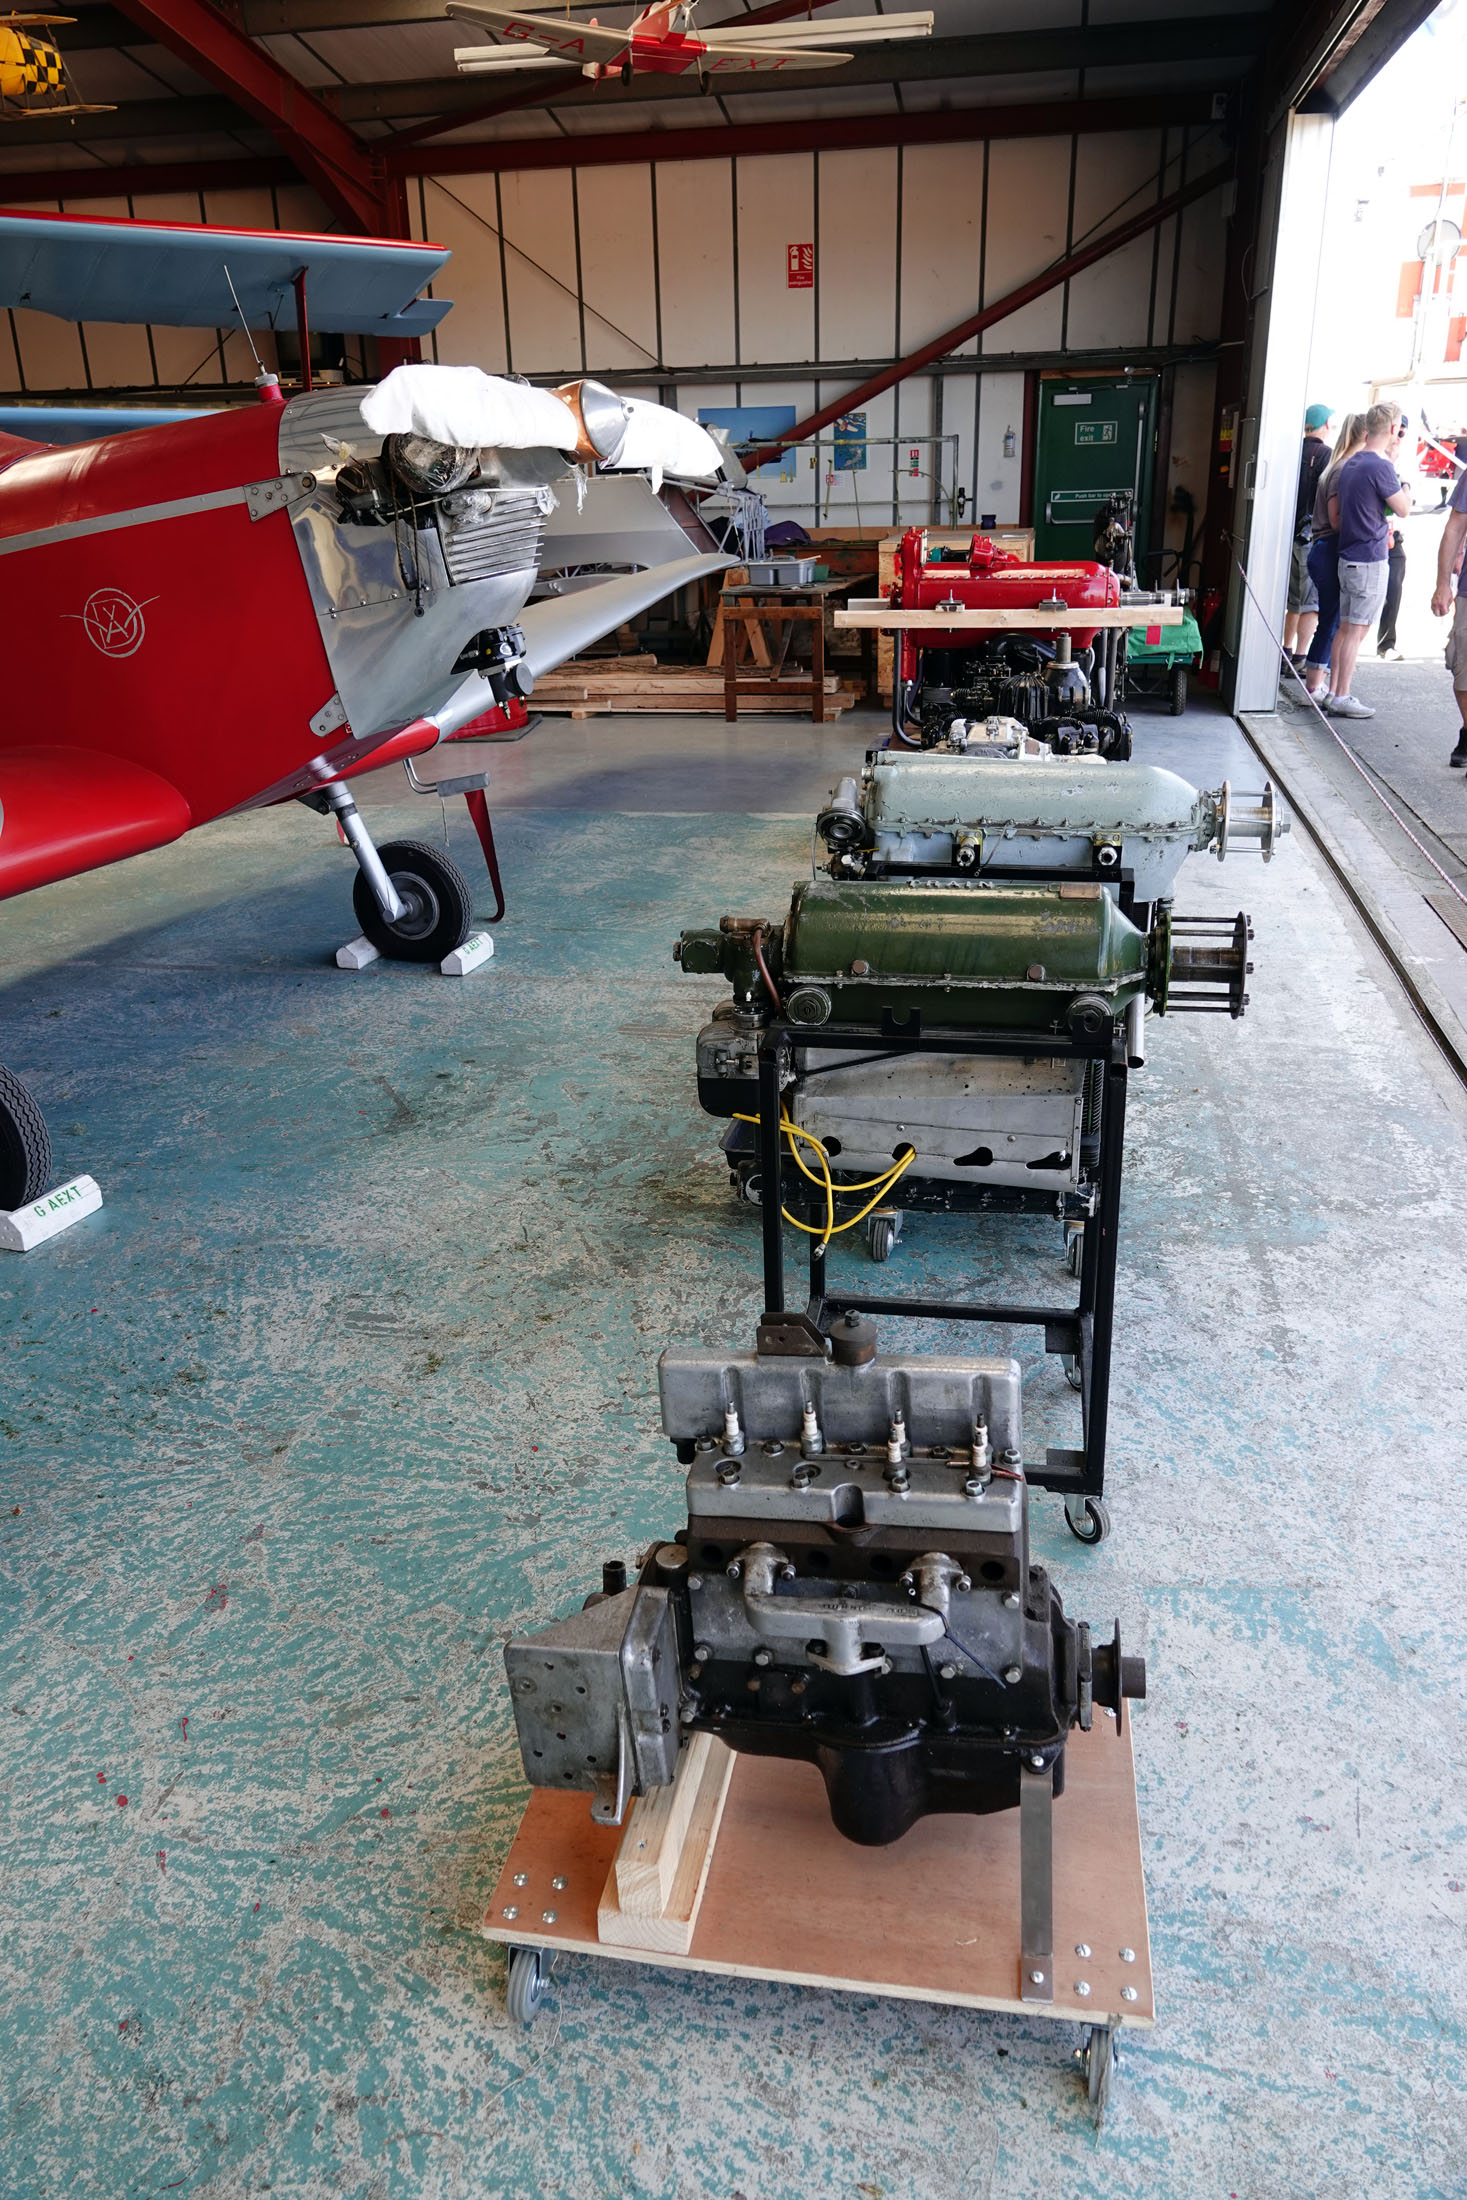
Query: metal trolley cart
pixel 1079 1335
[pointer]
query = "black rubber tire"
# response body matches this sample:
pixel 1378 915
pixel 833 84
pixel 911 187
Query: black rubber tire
pixel 1093 1525
pixel 1177 695
pixel 25 1145
pixel 881 1237
pixel 440 906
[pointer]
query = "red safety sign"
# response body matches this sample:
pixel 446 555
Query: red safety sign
pixel 801 266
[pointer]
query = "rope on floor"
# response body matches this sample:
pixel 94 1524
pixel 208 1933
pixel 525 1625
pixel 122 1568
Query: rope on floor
pixel 1344 747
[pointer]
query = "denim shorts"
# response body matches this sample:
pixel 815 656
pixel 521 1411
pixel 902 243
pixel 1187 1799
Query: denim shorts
pixel 1362 590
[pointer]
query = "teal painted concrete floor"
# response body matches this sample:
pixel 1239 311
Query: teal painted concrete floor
pixel 354 1375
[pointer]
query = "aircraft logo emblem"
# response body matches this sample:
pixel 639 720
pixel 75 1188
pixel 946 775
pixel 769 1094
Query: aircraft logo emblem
pixel 113 621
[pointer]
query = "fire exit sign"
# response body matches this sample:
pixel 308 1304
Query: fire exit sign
pixel 1095 431
pixel 801 266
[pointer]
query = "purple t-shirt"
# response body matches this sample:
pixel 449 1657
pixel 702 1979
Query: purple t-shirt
pixel 1459 494
pixel 1362 486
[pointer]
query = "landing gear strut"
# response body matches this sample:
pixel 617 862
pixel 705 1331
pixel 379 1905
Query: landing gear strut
pixel 411 900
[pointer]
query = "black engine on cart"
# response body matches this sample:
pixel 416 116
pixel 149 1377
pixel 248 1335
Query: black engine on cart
pixel 1024 677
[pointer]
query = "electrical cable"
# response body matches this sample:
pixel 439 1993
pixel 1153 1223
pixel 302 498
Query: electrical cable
pixel 826 1183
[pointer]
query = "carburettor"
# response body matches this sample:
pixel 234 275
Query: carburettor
pixel 853 1588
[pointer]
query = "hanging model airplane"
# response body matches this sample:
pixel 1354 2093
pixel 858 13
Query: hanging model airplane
pixel 33 75
pixel 663 41
pixel 251 606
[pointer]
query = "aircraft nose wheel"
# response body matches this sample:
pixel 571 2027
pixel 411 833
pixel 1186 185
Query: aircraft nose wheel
pixel 439 910
pixel 25 1145
pixel 528 1978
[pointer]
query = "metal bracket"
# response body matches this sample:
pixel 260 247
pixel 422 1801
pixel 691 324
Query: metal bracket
pixel 613 1791
pixel 1036 1883
pixel 328 718
pixel 470 783
pixel 264 497
pixel 790 1337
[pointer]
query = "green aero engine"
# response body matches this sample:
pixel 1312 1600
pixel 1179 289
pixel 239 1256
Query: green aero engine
pixel 970 954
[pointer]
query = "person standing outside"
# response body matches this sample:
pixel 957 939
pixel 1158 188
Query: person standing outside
pixel 1448 566
pixel 1364 494
pixel 1303 600
pixel 1324 558
pixel 1385 635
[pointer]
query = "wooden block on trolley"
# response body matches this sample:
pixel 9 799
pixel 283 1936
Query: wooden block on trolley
pixel 655 1885
pixel 934 1917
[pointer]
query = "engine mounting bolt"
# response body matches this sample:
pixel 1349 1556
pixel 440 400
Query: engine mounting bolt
pixel 1128 1993
pixel 1082 1950
pixel 521 1879
pixel 947 1672
pixel 1013 1674
pixel 764 1657
pixel 702 1653
pixel 1128 1955
pixel 1082 1987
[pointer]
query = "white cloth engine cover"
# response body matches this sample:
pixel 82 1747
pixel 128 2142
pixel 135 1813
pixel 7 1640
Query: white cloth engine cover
pixel 477 411
pixel 470 409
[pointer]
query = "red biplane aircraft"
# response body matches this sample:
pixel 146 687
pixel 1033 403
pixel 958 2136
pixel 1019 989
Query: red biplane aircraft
pixel 663 41
pixel 250 606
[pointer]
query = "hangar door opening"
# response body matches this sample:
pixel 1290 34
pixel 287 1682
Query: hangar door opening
pixel 1095 439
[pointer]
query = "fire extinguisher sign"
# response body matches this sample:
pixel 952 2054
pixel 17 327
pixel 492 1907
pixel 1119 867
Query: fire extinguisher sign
pixel 801 266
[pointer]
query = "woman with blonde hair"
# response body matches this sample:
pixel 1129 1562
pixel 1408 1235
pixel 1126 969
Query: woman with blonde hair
pixel 1324 555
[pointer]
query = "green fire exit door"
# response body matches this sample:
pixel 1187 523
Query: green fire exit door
pixel 1094 437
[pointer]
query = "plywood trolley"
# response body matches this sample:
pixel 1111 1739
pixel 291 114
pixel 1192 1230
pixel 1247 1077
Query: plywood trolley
pixel 736 1869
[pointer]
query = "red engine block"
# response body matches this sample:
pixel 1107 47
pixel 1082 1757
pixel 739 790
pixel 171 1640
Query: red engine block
pixel 990 579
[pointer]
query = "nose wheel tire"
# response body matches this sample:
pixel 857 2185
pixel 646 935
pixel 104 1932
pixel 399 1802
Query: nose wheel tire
pixel 439 911
pixel 25 1145
pixel 1092 1523
pixel 527 1982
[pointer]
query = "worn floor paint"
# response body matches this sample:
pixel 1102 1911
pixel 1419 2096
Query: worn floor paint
pixel 354 1375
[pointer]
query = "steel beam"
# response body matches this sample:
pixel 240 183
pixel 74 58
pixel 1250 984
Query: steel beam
pixel 844 133
pixel 1059 271
pixel 138 180
pixel 328 154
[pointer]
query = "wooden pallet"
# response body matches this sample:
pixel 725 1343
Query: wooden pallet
pixel 737 1869
pixel 583 691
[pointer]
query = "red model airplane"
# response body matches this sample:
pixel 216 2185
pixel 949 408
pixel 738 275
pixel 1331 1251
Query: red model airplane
pixel 662 41
pixel 251 606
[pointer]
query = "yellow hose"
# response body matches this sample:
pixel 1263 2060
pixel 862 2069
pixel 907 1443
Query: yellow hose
pixel 826 1183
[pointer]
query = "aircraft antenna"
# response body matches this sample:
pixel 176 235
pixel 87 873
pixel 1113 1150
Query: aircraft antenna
pixel 244 324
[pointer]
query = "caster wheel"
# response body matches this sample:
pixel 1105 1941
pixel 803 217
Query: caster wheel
pixel 1093 1525
pixel 1177 694
pixel 753 1189
pixel 881 1236
pixel 25 1145
pixel 1099 2060
pixel 440 909
pixel 1074 1249
pixel 1072 1371
pixel 527 1982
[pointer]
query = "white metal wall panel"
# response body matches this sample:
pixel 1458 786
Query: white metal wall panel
pixel 465 220
pixel 695 249
pixel 1028 189
pixel 617 275
pixel 1000 414
pixel 1199 276
pixel 1116 178
pixel 776 209
pixel 942 236
pixel 9 363
pixel 50 351
pixel 959 411
pixel 855 265
pixel 540 271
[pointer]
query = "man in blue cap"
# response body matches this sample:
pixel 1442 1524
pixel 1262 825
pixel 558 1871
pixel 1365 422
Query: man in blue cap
pixel 1303 601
